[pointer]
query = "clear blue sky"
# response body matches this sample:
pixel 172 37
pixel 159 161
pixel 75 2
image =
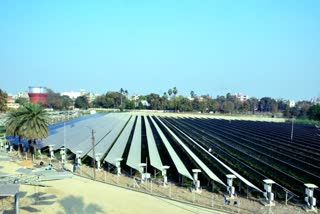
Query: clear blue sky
pixel 260 48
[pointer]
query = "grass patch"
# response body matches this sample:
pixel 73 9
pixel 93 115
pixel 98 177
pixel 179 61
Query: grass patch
pixel 305 121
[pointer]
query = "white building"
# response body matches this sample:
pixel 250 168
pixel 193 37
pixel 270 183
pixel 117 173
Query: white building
pixel 73 94
pixel 292 103
pixel 242 97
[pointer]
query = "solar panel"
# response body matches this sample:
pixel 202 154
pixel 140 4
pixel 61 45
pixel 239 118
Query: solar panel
pixel 119 146
pixel 76 133
pixel 134 157
pixel 175 158
pixel 117 125
pixel 155 159
pixel 194 157
pixel 9 190
pixel 223 164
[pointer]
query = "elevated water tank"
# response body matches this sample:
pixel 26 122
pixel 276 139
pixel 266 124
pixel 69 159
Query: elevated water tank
pixel 37 94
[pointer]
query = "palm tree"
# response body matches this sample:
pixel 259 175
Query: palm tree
pixel 175 91
pixel 170 92
pixel 30 122
pixel 12 126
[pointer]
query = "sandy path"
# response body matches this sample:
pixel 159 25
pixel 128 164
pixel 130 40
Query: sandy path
pixel 79 195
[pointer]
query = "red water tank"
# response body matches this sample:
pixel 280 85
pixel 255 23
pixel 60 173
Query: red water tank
pixel 37 94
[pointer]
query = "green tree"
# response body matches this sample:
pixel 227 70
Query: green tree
pixel 196 104
pixel 66 102
pixel 30 122
pixel 245 107
pixel 228 107
pixel 184 104
pixel 192 94
pixel 12 126
pixel 3 100
pixel 253 104
pixel 170 92
pixel 314 112
pixel 21 100
pixel 81 102
pixel 175 91
pixel 214 105
pixel 100 102
pixel 164 101
pixel 53 100
pixel 154 100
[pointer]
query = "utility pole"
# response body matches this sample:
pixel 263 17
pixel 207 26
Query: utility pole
pixel 94 155
pixel 292 129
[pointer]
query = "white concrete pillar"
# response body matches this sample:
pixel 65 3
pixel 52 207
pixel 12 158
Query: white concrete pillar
pixel 78 157
pixel 63 155
pixel 51 151
pixel 142 167
pixel 98 156
pixel 309 199
pixel 164 174
pixel 268 194
pixel 230 188
pixel 196 182
pixel 118 165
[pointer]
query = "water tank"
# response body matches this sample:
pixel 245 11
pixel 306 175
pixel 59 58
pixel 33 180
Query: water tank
pixel 37 94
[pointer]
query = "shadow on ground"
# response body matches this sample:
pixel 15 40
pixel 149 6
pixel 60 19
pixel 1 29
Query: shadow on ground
pixel 75 205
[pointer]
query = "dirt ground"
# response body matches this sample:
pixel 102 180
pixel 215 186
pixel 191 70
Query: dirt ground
pixel 79 195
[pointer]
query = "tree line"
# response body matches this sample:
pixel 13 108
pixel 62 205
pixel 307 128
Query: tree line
pixel 172 101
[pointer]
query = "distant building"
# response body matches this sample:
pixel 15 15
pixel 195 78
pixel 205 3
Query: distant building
pixel 75 94
pixel 292 103
pixel 145 103
pixel 72 94
pixel 11 102
pixel 242 97
pixel 23 94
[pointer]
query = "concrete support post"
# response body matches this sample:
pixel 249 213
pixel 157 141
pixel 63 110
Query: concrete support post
pixel 164 174
pixel 196 182
pixel 309 199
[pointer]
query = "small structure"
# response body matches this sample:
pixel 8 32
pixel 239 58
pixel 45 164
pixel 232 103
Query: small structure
pixel 230 188
pixel 118 165
pixel 268 194
pixel 51 151
pixel 164 174
pixel 311 201
pixel 63 155
pixel 97 157
pixel 144 175
pixel 11 190
pixel 78 157
pixel 196 182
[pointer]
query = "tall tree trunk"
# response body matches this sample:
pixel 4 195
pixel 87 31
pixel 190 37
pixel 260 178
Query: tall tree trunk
pixel 35 149
pixel 19 144
pixel 29 150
